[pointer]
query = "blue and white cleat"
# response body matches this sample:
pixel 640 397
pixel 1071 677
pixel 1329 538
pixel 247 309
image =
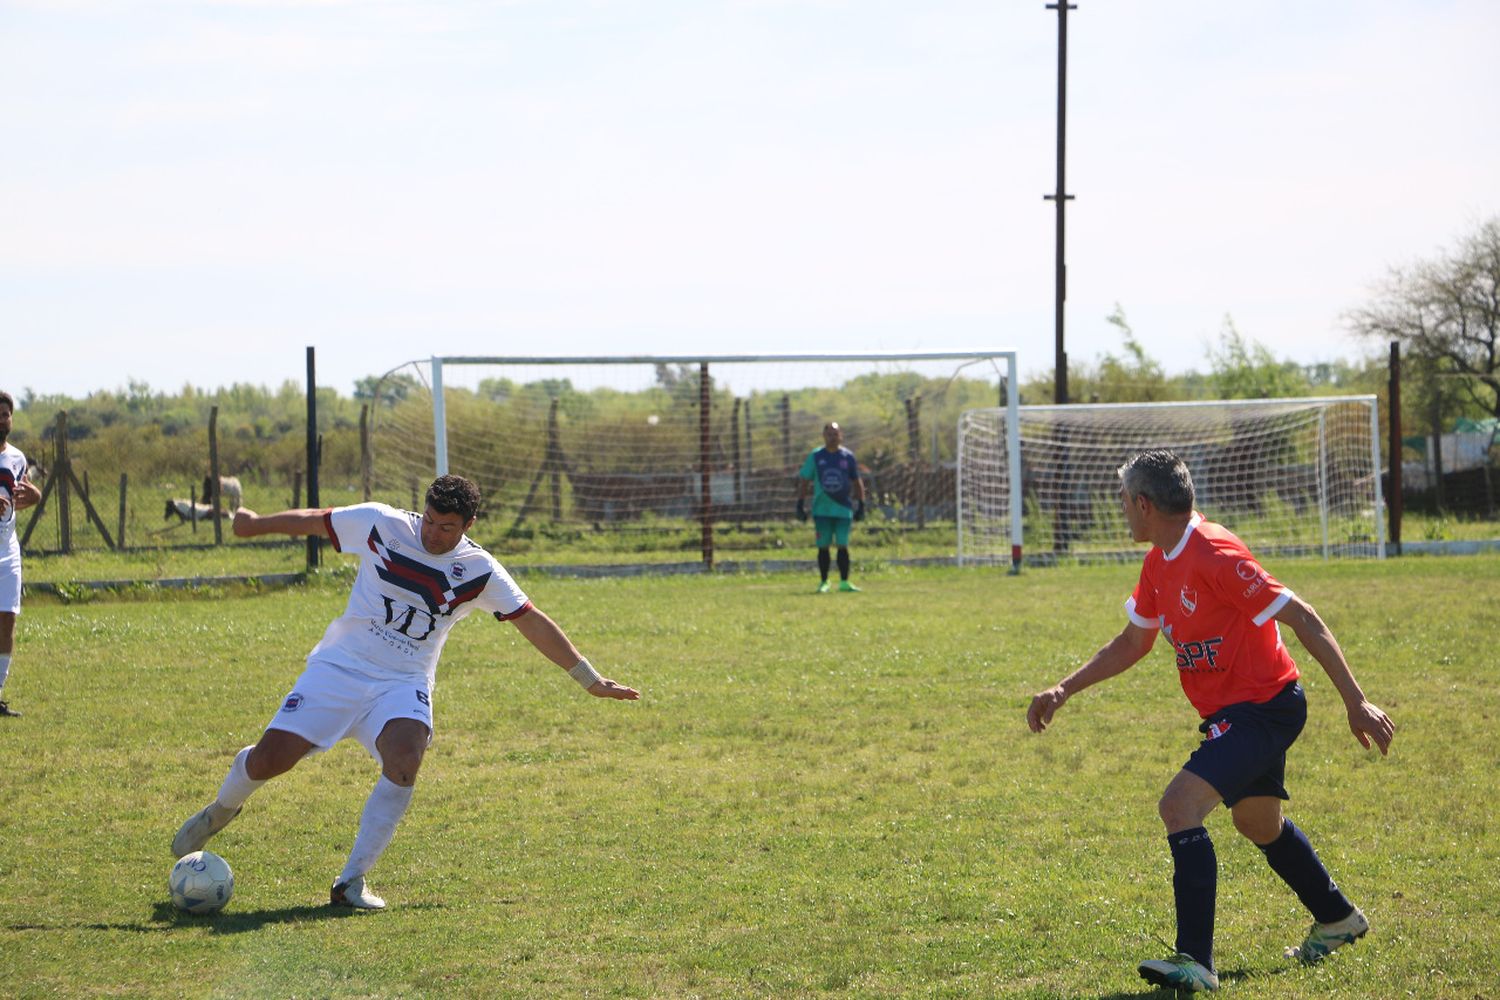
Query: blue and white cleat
pixel 1324 939
pixel 1181 972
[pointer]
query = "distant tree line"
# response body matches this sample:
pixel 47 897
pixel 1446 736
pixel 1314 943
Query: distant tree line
pixel 1445 312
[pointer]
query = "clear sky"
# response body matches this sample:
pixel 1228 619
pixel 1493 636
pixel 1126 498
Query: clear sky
pixel 197 191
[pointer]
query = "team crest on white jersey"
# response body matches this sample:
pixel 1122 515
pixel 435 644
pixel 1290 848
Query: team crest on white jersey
pixel 456 571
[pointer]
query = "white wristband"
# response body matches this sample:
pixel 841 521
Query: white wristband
pixel 585 674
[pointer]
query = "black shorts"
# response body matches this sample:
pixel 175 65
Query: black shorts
pixel 1244 750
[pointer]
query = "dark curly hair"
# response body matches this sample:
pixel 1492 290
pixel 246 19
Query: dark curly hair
pixel 454 495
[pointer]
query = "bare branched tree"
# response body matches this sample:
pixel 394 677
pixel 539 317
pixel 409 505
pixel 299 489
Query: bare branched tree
pixel 1445 313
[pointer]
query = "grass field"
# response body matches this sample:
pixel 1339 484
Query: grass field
pixel 817 796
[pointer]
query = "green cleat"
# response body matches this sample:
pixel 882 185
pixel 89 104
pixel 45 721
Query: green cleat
pixel 1322 939
pixel 846 587
pixel 1181 972
pixel 823 587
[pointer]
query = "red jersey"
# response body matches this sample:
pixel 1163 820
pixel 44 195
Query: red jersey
pixel 1217 606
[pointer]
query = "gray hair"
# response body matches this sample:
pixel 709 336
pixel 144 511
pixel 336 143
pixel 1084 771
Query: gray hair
pixel 1161 477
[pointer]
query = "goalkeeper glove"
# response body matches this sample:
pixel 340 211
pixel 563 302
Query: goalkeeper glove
pixel 801 509
pixel 859 510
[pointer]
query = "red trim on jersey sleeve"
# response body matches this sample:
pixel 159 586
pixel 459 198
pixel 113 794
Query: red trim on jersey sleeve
pixel 499 617
pixel 333 536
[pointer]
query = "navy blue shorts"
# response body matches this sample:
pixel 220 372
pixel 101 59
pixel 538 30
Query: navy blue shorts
pixel 1243 753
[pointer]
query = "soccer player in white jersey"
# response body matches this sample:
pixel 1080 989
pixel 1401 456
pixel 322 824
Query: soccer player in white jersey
pixel 1201 588
pixel 16 493
pixel 371 676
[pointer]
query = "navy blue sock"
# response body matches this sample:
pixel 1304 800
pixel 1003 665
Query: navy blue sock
pixel 1195 884
pixel 824 561
pixel 1291 856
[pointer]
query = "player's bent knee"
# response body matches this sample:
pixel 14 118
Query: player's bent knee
pixel 401 763
pixel 1178 813
pixel 276 753
pixel 401 746
pixel 1260 825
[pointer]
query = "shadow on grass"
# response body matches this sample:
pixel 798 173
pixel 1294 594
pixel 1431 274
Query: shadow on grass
pixel 166 917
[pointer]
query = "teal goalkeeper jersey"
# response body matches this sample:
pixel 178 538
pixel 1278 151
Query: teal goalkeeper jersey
pixel 833 475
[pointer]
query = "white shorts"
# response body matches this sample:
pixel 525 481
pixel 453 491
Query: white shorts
pixel 329 703
pixel 10 584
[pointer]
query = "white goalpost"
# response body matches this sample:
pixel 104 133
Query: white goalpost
pixel 653 458
pixel 1289 476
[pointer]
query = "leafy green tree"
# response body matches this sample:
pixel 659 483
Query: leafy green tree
pixel 385 390
pixel 1246 369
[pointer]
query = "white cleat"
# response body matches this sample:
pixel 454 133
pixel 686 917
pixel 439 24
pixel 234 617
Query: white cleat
pixel 356 894
pixel 200 826
pixel 1323 939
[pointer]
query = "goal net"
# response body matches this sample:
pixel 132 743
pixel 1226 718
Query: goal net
pixel 680 459
pixel 1289 476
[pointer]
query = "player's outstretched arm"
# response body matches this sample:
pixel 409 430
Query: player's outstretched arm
pixel 553 643
pixel 1366 721
pixel 1115 657
pixel 302 521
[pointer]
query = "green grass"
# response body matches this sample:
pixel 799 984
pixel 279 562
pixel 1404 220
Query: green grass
pixel 817 796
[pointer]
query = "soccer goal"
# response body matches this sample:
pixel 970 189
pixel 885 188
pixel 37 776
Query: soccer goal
pixel 1289 476
pixel 653 460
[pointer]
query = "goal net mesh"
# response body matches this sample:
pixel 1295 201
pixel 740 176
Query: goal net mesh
pixel 1291 476
pixel 591 462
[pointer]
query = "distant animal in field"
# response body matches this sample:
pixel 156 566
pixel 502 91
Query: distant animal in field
pixel 186 510
pixel 230 492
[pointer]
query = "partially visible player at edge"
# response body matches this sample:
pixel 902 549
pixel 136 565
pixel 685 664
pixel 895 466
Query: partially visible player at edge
pixel 1200 586
pixel 16 493
pixel 838 499
pixel 372 675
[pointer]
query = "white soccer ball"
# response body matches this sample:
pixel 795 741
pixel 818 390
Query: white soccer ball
pixel 201 882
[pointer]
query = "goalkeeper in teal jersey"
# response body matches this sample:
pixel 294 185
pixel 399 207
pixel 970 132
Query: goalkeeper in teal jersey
pixel 838 500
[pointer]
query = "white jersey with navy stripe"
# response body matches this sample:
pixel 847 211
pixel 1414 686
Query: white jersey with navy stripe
pixel 12 469
pixel 405 600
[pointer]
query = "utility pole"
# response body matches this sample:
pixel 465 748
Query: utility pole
pixel 1061 198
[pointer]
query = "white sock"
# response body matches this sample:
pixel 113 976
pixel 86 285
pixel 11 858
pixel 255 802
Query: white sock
pixel 4 669
pixel 238 785
pixel 377 825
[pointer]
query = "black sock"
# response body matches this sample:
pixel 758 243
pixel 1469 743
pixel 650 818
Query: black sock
pixel 823 562
pixel 1195 883
pixel 843 563
pixel 1291 856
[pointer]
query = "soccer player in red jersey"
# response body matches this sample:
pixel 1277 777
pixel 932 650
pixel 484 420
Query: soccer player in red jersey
pixel 1201 587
